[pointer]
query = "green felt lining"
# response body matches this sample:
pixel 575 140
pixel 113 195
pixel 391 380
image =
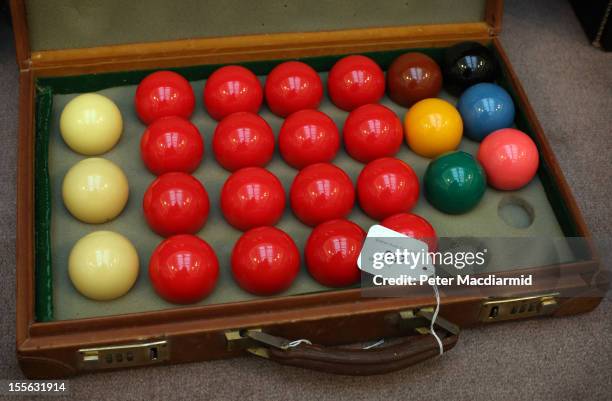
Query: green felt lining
pixel 42 205
pixel 49 87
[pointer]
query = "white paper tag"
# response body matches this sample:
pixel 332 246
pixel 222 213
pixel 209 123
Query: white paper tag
pixel 409 261
pixel 409 256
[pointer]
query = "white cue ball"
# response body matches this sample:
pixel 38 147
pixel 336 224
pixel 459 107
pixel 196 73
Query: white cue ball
pixel 95 190
pixel 103 265
pixel 91 124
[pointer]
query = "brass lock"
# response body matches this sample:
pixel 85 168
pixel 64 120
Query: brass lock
pixel 518 308
pixel 118 356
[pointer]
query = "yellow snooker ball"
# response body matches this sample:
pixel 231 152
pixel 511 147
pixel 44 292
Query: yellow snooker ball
pixel 95 190
pixel 91 124
pixel 103 265
pixel 433 127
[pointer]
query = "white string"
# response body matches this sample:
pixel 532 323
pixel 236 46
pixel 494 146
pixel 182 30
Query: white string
pixel 376 344
pixel 295 343
pixel 434 317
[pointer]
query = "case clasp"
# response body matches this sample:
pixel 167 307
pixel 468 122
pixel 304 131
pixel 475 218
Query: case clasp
pixel 118 356
pixel 518 308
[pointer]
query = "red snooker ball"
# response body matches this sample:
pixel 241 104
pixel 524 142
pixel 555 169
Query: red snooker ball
pixel 252 197
pixel 176 203
pixel 293 86
pixel 413 226
pixel 231 89
pixel 163 94
pixel 183 269
pixel 321 192
pixel 308 137
pixel 265 261
pixel 332 251
pixel 243 139
pixel 372 131
pixel 354 81
pixel 171 144
pixel 510 159
pixel 387 186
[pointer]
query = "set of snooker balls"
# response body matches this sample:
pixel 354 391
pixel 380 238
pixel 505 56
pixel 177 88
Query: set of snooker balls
pixel 265 260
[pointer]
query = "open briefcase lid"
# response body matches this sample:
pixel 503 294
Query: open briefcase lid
pixel 51 33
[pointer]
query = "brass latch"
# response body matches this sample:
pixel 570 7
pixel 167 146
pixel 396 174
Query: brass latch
pixel 518 308
pixel 420 319
pixel 116 356
pixel 252 341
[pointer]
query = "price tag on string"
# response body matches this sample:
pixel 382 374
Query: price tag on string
pixel 393 255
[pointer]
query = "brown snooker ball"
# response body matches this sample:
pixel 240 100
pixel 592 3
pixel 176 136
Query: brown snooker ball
pixel 413 77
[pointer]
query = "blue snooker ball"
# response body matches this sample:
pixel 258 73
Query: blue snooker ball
pixel 485 108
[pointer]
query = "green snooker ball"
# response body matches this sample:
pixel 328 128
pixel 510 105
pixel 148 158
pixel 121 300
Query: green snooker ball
pixel 454 182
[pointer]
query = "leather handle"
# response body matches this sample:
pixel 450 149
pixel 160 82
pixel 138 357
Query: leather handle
pixel 391 356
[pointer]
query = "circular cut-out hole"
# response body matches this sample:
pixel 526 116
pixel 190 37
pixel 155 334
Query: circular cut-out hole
pixel 515 212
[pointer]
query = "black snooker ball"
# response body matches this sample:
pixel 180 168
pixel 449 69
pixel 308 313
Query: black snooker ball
pixel 466 64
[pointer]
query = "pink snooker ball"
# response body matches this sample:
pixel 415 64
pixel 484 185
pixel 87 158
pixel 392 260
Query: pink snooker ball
pixel 510 159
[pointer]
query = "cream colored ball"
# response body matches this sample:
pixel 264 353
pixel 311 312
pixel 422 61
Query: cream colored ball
pixel 103 265
pixel 95 190
pixel 91 124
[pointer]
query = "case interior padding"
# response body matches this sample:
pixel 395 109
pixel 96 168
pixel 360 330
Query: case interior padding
pixel 69 24
pixel 57 299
